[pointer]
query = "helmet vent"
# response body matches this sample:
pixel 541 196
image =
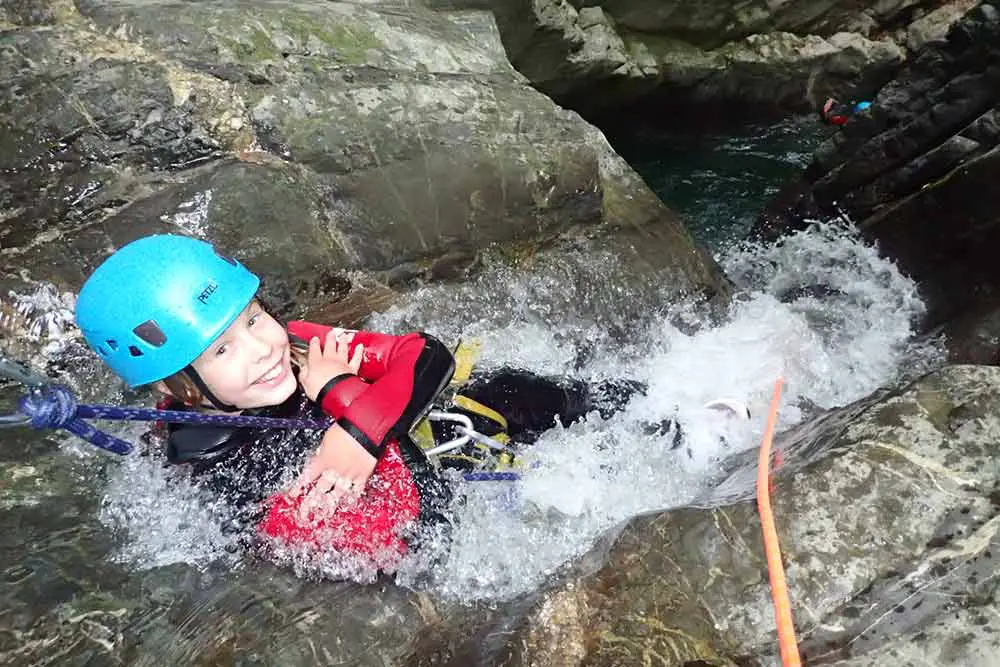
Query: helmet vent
pixel 112 344
pixel 150 332
pixel 134 351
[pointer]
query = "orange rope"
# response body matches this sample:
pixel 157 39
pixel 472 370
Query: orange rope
pixel 779 590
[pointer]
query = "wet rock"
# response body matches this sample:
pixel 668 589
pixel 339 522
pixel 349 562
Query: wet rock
pixel 973 338
pixel 316 140
pixel 26 485
pixel 181 615
pixel 84 115
pixel 355 307
pixel 35 12
pixel 935 25
pixel 965 637
pixel 679 53
pixel 712 23
pixel 776 68
pixel 887 527
pixel 915 173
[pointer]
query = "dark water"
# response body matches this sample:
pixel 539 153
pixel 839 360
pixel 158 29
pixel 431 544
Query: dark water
pixel 720 178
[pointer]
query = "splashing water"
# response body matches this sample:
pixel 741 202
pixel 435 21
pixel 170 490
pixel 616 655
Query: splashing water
pixel 169 520
pixel 44 315
pixel 820 308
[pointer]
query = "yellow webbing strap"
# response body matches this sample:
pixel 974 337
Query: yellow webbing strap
pixel 478 408
pixel 422 434
pixel 466 355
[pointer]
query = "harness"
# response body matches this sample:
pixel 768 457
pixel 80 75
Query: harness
pixel 46 405
pixel 488 435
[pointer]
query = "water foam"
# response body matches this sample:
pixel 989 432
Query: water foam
pixel 45 316
pixel 820 309
pixel 163 517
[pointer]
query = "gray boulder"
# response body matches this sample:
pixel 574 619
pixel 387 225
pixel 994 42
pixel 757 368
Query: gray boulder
pixel 315 140
pixel 598 56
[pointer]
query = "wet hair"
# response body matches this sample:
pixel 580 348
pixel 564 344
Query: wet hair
pixel 182 386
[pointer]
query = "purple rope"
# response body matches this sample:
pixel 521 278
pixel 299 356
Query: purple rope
pixel 189 417
pixel 55 406
pixel 487 476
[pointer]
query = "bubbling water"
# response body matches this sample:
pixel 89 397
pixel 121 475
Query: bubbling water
pixel 820 308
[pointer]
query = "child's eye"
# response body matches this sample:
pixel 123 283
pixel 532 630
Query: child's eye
pixel 219 351
pixel 253 318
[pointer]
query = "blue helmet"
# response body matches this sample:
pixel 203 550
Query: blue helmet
pixel 157 303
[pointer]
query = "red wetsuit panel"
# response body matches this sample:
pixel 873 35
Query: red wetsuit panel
pixel 382 406
pixel 381 398
pixel 371 527
pixel 379 405
pixel 377 356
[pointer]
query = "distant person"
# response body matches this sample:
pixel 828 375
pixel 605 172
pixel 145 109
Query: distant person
pixel 839 113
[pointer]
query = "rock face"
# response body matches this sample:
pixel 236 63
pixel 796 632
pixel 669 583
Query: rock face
pixel 888 517
pixel 595 56
pixel 314 139
pixel 935 25
pixel 918 175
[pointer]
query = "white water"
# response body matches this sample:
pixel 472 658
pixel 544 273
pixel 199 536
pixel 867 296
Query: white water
pixel 831 350
pixel 42 317
pixel 831 347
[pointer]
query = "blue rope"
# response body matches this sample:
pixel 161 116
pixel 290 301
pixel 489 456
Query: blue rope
pixel 55 406
pixel 487 476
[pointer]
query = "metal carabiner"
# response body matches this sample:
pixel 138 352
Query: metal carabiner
pixel 465 426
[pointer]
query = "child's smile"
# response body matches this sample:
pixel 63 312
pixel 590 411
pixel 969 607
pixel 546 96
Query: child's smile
pixel 249 365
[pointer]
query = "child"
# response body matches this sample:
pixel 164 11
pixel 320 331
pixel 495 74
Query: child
pixel 172 312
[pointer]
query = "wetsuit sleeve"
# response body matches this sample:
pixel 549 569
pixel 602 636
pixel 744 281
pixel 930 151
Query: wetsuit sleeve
pixel 403 376
pixel 378 346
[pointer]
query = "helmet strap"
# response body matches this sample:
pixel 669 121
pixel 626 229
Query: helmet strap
pixel 206 392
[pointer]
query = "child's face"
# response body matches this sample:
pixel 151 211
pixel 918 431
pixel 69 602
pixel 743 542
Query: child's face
pixel 249 365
